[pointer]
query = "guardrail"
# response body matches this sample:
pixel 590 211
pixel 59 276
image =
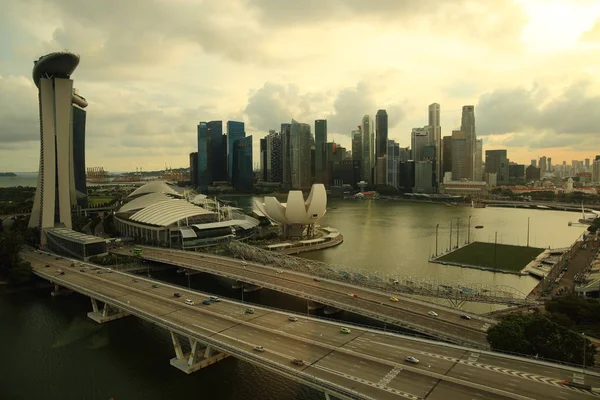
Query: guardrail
pixel 358 310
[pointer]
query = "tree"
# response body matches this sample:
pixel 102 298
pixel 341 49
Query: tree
pixel 539 336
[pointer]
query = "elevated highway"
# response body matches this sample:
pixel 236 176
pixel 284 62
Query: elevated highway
pixel 363 364
pixel 408 313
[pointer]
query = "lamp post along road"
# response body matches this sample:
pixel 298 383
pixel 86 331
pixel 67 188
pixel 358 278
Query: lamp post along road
pixel 436 239
pixel 469 231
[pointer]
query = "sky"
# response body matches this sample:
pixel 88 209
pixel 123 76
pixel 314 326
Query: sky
pixel 151 70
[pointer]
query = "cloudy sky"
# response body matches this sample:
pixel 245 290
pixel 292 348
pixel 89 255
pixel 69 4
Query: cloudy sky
pixel 152 69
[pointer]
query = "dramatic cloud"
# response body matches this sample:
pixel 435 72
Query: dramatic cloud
pixel 151 70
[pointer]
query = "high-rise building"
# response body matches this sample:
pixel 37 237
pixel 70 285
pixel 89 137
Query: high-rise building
pixel 496 162
pixel 587 163
pixel 549 164
pixel 447 155
pixel 423 177
pixel 596 170
pixel 381 126
pixel 346 172
pixel 297 149
pixel 368 147
pixel 393 159
pixel 419 138
pixel 516 174
pixel 436 138
pixel 357 145
pixel 467 126
pixel 543 165
pixel 534 163
pixel 274 157
pixel 286 150
pixel 194 169
pixel 55 194
pixel 460 156
pixel 264 155
pixel 532 173
pixel 242 174
pixel 212 154
pixel 478 176
pixel 235 131
pixel 320 159
pixel 406 172
pixel 79 117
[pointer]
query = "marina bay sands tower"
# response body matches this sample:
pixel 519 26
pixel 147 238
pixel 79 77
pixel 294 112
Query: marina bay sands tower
pixel 55 194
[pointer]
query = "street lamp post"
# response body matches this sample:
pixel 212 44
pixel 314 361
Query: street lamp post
pixel 457 232
pixel 436 239
pixel 469 231
pixel 450 247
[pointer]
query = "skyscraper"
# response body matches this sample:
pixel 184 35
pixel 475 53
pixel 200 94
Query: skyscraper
pixel 194 168
pixel 460 158
pixel 436 138
pixel 235 131
pixel 274 157
pixel 242 175
pixel 79 117
pixel 478 160
pixel 381 126
pixel 203 174
pixel 467 126
pixel 212 154
pixel 447 155
pixel 419 138
pixel 320 159
pixel 496 162
pixel 357 145
pixel 55 193
pixel 368 149
pixel 286 150
pixel 297 155
pixel 543 164
pixel 393 159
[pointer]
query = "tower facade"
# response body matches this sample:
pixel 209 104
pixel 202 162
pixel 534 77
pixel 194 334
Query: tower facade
pixel 467 127
pixel 55 194
pixel 368 149
pixel 320 156
pixel 381 126
pixel 436 138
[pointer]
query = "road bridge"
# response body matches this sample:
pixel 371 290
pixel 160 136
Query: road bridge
pixel 361 364
pixel 405 312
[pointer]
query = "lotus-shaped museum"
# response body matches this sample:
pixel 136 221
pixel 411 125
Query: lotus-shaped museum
pixel 296 211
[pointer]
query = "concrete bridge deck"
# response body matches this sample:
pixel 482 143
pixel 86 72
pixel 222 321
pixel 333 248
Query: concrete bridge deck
pixel 363 364
pixel 406 312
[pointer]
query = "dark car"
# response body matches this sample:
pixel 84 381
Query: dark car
pixel 316 280
pixel 206 302
pixel 176 294
pixel 464 316
pixel 46 266
pixel 155 286
pixel 297 361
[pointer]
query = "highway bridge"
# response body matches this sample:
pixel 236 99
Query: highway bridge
pixel 406 312
pixel 361 364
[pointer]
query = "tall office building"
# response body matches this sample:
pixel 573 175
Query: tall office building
pixel 194 169
pixel 534 163
pixel 460 156
pixel 368 149
pixel 467 126
pixel 436 138
pixel 79 117
pixel 381 127
pixel 478 176
pixel 263 159
pixel 549 164
pixel 242 174
pixel 212 154
pixel 297 155
pixel 423 177
pixel 393 160
pixel 286 149
pixel 447 155
pixel 55 193
pixel 320 158
pixel 235 131
pixel 274 157
pixel 596 170
pixel 357 145
pixel 543 164
pixel 496 162
pixel 419 138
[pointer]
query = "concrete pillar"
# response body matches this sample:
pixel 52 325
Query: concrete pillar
pixel 94 305
pixel 105 311
pixel 208 352
pixel 194 356
pixel 176 346
pixel 327 396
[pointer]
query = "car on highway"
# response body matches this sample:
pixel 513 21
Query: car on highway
pixel 134 280
pixel 60 272
pixel 279 271
pixel 215 299
pixel 292 318
pixel 316 280
pixel 396 282
pixel 154 286
pixel 206 302
pixel 176 294
pixel 249 311
pixel 297 361
pixel 99 271
pixel 345 330
pixel 109 270
pixel 244 263
pixel 260 349
pixel 394 299
pixel 411 360
pixel 352 295
pixel 82 270
pixel 465 316
pixel 433 313
pixel 189 302
pixel 46 266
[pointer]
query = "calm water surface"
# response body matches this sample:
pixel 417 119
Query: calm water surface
pixel 50 350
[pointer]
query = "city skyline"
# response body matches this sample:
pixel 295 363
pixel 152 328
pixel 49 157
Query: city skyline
pixel 529 97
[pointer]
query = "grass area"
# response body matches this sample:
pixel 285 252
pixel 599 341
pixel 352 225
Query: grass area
pixel 507 257
pixel 98 200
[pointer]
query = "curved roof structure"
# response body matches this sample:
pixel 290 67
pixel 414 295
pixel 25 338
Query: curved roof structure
pixel 144 201
pixel 60 65
pixel 296 211
pixel 168 212
pixel 155 187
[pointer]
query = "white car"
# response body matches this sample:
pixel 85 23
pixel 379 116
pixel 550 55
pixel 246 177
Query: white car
pixel 189 302
pixel 433 313
pixel 244 263
pixel 411 360
pixel 292 318
pixel 215 299
pixel 260 349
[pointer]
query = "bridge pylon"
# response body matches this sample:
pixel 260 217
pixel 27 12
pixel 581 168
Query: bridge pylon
pixel 108 313
pixel 200 355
